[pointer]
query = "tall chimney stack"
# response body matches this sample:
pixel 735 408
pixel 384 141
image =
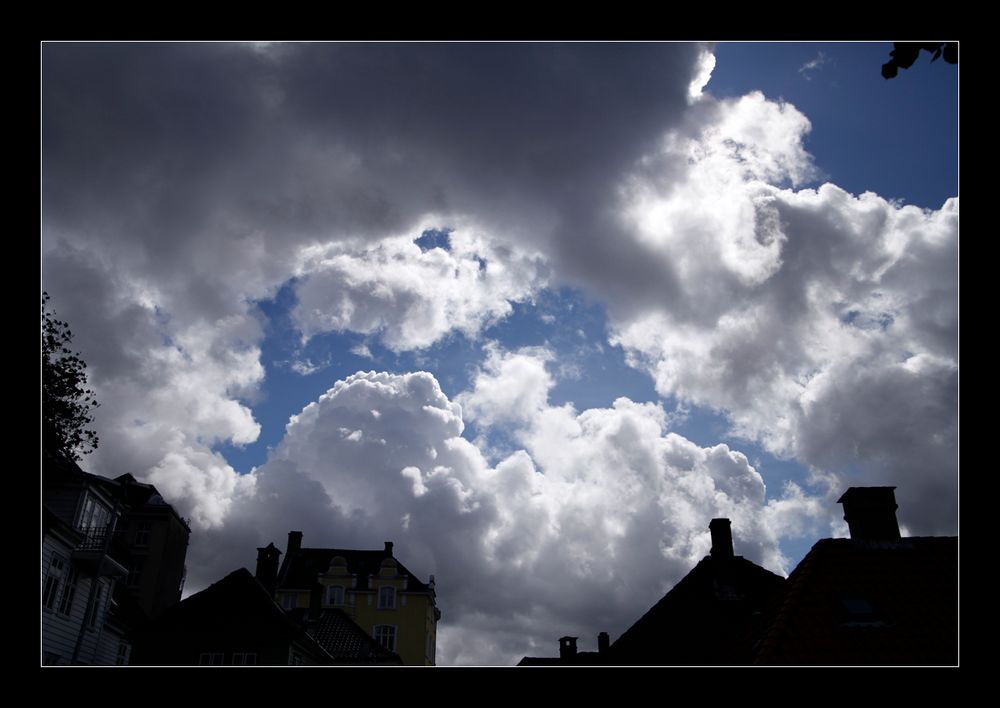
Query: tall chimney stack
pixel 294 542
pixel 722 538
pixel 388 548
pixel 870 513
pixel 567 647
pixel 603 642
pixel 267 567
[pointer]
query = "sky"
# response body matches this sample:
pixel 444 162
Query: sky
pixel 536 313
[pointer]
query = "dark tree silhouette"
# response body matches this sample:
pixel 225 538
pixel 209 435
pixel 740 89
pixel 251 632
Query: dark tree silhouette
pixel 67 404
pixel 905 53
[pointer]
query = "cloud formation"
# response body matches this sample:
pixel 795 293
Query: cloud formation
pixel 598 514
pixel 823 324
pixel 184 182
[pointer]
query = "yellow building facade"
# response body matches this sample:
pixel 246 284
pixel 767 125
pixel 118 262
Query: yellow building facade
pixel 372 587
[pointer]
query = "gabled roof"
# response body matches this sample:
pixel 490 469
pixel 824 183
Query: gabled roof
pixel 300 568
pixel 856 602
pixel 343 639
pixel 709 617
pixel 236 607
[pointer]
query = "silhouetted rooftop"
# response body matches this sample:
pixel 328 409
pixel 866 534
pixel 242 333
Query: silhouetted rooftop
pixel 709 617
pixel 236 607
pixel 300 568
pixel 863 602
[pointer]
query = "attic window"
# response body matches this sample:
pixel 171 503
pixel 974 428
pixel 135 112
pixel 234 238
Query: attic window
pixel 336 595
pixel 386 597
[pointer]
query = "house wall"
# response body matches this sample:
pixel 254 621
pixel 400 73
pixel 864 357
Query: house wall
pixel 163 558
pixel 61 631
pixel 412 615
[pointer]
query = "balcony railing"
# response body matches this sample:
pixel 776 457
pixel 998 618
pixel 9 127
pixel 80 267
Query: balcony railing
pixel 94 538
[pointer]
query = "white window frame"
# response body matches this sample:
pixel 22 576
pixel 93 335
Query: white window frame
pixel 244 658
pixel 53 581
pixel 94 513
pixel 391 594
pixel 68 593
pixel 96 609
pixel 387 635
pixel 211 658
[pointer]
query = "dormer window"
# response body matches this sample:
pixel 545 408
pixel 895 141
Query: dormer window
pixel 336 595
pixel 94 514
pixel 386 597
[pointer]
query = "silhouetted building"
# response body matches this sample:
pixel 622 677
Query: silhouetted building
pixel 79 567
pixel 90 528
pixel 156 539
pixel 569 656
pixel 873 598
pixel 233 621
pixel 711 616
pixel 372 588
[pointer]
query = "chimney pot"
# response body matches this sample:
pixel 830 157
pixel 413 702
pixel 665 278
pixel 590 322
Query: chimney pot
pixel 722 538
pixel 870 513
pixel 388 548
pixel 603 642
pixel 567 647
pixel 267 567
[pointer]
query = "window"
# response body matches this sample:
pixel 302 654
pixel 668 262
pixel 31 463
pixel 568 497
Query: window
pixel 142 533
pixel 385 634
pixel 296 659
pixel 97 610
pixel 210 659
pixel 122 659
pixel 135 572
pixel 68 593
pixel 94 514
pixel 386 597
pixel 57 565
pixel 288 601
pixel 244 658
pixel 336 595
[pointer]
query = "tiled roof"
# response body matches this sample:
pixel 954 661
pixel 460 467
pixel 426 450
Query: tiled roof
pixel 709 617
pixel 300 569
pixel 343 639
pixel 850 602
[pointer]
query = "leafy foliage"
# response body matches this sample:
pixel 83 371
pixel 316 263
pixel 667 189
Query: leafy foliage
pixel 67 404
pixel 905 53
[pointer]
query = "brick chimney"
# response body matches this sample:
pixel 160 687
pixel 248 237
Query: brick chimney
pixel 603 642
pixel 567 647
pixel 388 548
pixel 294 542
pixel 722 538
pixel 870 513
pixel 267 567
